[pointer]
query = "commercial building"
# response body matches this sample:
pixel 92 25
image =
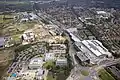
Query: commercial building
pixel 96 47
pixel 72 36
pixel 103 14
pixel 83 58
pixel 39 74
pixel 57 39
pixel 49 56
pixel 57 49
pixel 71 30
pixel 28 36
pixel 36 63
pixel 61 62
pixel 92 50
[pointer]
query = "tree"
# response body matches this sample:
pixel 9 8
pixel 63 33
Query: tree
pixel 49 65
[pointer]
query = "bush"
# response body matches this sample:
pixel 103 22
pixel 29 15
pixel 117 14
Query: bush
pixel 49 65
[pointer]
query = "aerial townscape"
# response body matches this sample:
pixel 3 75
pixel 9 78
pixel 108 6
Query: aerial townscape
pixel 59 39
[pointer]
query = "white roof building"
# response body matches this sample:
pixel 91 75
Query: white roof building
pixel 39 74
pixel 93 50
pixel 33 16
pixel 49 56
pixel 28 36
pixel 61 46
pixel 36 63
pixel 96 47
pixel 61 62
pixel 101 12
pixel 71 30
pixel 74 38
pixel 57 48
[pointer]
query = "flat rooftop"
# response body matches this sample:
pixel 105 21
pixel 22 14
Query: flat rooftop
pixel 36 61
pixel 96 47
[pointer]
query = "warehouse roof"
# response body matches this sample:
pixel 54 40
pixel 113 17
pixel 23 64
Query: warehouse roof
pixel 96 47
pixel 82 56
pixel 74 38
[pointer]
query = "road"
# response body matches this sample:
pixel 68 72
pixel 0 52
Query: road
pixel 72 51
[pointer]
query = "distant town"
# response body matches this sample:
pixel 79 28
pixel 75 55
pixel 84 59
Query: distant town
pixel 59 40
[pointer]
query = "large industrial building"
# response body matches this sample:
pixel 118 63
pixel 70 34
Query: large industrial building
pixel 91 51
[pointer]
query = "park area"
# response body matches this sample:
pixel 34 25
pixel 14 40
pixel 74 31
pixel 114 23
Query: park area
pixel 56 72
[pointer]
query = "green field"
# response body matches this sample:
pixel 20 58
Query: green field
pixel 104 75
pixel 25 25
pixel 50 77
pixel 85 72
pixel 6 20
pixel 17 37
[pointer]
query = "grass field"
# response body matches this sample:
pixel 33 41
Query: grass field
pixel 50 77
pixel 25 26
pixel 17 37
pixel 84 72
pixel 104 75
pixel 3 21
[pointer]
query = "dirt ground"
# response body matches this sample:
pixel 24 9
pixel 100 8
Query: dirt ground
pixel 6 57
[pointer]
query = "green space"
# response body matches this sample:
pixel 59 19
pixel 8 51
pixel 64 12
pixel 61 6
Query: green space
pixel 49 65
pixel 59 74
pixel 56 72
pixel 104 75
pixel 25 26
pixel 50 77
pixel 85 72
pixel 22 47
pixel 16 37
pixel 6 18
